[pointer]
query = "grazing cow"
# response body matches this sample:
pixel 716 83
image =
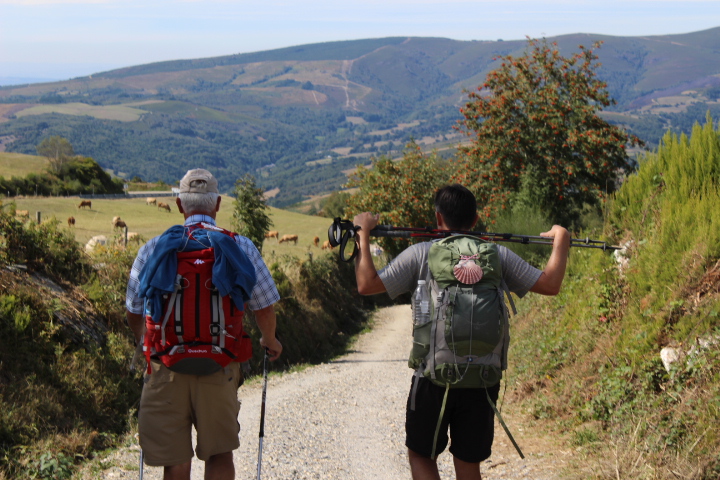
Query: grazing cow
pixel 118 222
pixel 316 241
pixel 273 234
pixel 151 201
pixel 133 237
pixel 85 203
pixel 289 238
pixel 326 245
pixel 71 221
pixel 164 206
pixel 94 242
pixel 22 213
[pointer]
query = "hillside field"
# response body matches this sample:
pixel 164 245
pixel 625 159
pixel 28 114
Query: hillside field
pixel 149 221
pixel 20 165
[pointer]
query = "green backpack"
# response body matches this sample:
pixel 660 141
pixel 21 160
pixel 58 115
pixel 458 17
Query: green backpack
pixel 465 343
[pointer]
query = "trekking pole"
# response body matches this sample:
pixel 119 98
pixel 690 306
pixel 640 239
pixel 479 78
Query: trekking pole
pixel 142 459
pixel 343 233
pixel 262 413
pixel 133 362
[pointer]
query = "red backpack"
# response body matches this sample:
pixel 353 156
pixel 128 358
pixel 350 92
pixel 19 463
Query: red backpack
pixel 201 332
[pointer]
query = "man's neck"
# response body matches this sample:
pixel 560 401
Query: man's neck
pixel 188 215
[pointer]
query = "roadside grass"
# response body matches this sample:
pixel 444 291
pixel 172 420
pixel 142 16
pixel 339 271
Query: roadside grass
pixel 588 362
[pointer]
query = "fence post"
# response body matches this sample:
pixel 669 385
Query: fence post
pixel 126 235
pixel 37 215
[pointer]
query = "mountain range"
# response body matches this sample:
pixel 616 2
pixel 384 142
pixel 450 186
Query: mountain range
pixel 300 118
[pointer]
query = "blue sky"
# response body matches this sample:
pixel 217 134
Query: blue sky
pixel 60 39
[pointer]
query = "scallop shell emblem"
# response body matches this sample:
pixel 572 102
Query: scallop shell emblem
pixel 467 271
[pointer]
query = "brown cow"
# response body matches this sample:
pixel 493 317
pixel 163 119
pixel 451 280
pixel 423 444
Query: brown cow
pixel 151 201
pixel 273 234
pixel 316 241
pixel 85 203
pixel 163 206
pixel 289 238
pixel 326 245
pixel 118 222
pixel 71 221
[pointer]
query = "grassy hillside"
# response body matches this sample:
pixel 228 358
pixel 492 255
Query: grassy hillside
pixel 19 165
pixel 588 364
pixel 149 221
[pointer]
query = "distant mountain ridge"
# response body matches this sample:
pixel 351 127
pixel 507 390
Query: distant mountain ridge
pixel 297 117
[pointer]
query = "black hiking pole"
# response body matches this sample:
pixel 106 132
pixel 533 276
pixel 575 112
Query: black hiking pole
pixel 343 233
pixel 133 362
pixel 142 459
pixel 262 413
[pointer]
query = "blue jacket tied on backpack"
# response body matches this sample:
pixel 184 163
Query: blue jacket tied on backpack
pixel 233 273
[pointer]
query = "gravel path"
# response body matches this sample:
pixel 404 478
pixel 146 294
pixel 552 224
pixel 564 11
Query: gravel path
pixel 345 420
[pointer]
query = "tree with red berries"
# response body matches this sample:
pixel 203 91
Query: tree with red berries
pixel 402 192
pixel 537 137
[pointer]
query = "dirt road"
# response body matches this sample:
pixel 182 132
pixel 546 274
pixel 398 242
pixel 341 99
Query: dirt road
pixel 345 420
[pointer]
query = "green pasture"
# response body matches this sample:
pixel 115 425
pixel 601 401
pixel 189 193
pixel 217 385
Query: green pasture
pixel 149 221
pixel 184 109
pixel 20 165
pixel 103 112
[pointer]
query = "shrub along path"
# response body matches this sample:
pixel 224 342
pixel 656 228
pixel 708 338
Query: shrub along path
pixel 345 419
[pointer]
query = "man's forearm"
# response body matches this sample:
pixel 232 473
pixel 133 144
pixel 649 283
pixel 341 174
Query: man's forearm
pixel 136 322
pixel 553 274
pixel 266 321
pixel 365 273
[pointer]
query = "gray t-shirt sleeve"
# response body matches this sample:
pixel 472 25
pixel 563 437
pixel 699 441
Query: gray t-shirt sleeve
pixel 403 272
pixel 519 275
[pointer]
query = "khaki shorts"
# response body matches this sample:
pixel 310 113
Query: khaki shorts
pixel 172 403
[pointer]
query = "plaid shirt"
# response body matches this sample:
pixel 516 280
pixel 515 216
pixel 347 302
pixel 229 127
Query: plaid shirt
pixel 263 295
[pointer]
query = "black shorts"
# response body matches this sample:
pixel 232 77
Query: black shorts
pixel 468 414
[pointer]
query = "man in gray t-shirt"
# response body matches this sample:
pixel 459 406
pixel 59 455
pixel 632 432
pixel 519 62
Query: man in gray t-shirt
pixel 468 414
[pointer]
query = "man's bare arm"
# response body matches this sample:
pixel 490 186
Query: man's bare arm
pixel 553 274
pixel 266 322
pixel 136 321
pixel 368 281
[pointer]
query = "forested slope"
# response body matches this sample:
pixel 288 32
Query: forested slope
pixel 298 117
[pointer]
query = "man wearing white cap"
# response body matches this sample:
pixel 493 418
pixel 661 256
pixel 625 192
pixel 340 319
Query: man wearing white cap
pixel 177 396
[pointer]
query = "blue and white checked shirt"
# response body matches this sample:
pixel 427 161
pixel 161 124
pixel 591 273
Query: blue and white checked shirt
pixel 263 295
